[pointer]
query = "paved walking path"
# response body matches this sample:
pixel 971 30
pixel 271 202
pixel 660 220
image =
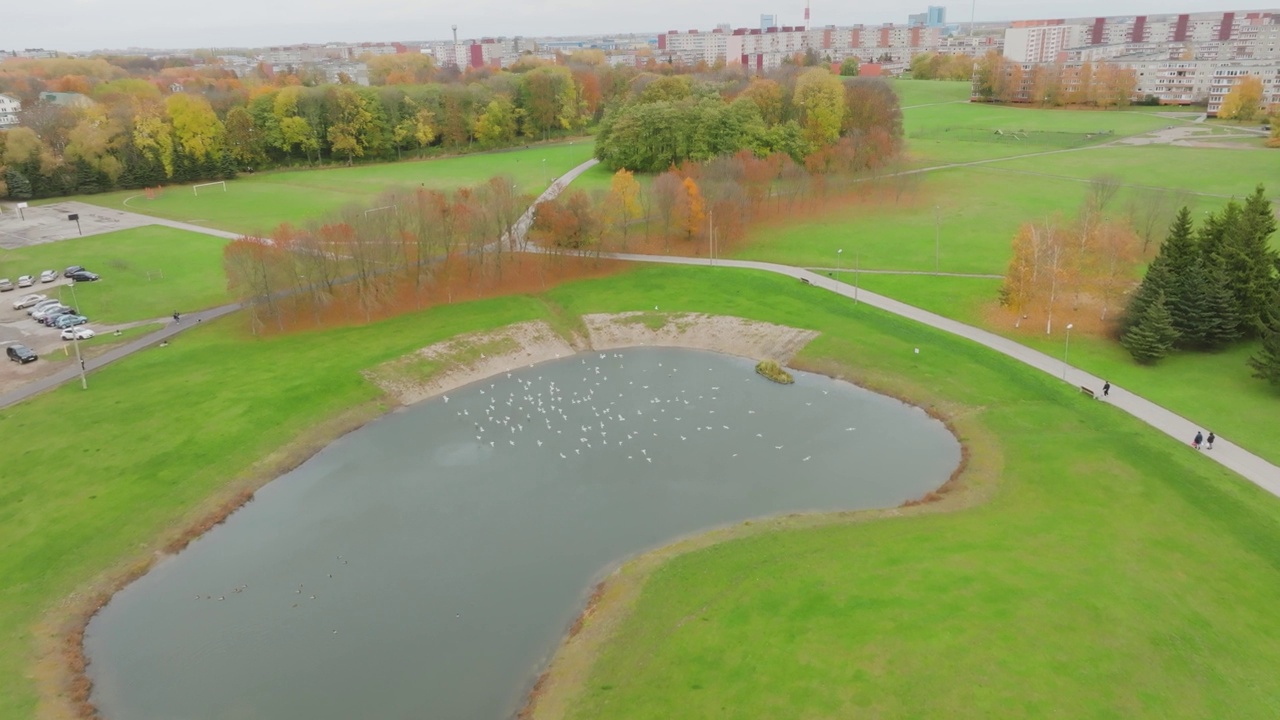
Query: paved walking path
pixel 1252 467
pixel 846 270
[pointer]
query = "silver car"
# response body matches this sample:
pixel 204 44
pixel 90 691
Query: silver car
pixel 26 281
pixel 48 276
pixel 6 284
pixel 27 301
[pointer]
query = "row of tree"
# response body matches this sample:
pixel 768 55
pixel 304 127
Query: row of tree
pixel 676 119
pixel 1101 84
pixel 1209 287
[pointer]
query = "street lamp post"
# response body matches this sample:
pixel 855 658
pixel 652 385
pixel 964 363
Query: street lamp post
pixel 838 254
pixel 1066 346
pixel 544 172
pixel 75 336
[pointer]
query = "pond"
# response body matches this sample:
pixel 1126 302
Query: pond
pixel 427 564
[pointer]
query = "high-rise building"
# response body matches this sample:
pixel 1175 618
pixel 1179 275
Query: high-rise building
pixel 937 16
pixel 768 21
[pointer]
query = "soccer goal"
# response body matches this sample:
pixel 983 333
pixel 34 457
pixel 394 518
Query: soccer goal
pixel 195 189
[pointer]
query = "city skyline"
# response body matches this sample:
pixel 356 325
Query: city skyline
pixel 84 25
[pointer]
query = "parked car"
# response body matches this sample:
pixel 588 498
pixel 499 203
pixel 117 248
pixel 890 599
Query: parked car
pixel 48 276
pixel 69 320
pixel 26 281
pixel 77 333
pixel 46 315
pixel 52 319
pixel 27 301
pixel 85 276
pixel 21 354
pixel 6 284
pixel 73 269
pixel 43 304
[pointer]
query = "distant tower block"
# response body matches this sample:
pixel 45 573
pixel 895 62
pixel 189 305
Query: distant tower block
pixel 806 15
pixel 455 34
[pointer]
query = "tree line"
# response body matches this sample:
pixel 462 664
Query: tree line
pixel 1210 287
pixel 667 121
pixel 417 247
pixel 1102 84
pixel 132 135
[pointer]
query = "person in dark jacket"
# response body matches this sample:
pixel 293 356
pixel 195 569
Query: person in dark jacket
pixel 1198 439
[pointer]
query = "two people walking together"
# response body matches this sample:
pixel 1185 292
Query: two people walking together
pixel 1200 439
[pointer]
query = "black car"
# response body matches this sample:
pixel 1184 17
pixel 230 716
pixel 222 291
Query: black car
pixel 72 270
pixel 84 276
pixel 21 354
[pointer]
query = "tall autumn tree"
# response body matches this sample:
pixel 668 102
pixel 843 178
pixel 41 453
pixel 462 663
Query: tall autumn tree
pixel 350 124
pixel 819 97
pixel 197 131
pixel 1243 101
pixel 692 209
pixel 623 205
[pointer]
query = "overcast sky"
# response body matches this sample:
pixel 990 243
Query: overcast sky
pixel 73 25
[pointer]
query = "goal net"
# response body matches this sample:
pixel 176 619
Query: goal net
pixel 195 189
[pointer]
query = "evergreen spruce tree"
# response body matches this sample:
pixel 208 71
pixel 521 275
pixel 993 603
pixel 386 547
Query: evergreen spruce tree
pixel 1266 363
pixel 1151 338
pixel 1239 236
pixel 1154 284
pixel 1185 288
pixel 1223 319
pixel 19 185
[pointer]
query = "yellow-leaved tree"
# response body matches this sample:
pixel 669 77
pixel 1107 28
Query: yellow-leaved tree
pixel 1244 101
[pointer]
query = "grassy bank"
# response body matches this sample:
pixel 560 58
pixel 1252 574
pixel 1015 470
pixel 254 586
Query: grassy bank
pixel 1075 554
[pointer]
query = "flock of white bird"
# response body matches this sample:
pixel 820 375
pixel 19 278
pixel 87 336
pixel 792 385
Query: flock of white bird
pixel 536 408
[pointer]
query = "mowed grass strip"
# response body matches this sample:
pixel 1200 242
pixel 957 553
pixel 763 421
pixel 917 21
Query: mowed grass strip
pixel 258 203
pixel 1116 573
pixel 147 272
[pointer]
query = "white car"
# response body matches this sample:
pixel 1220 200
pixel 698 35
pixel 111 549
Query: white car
pixel 26 281
pixel 77 333
pixel 27 301
pixel 48 276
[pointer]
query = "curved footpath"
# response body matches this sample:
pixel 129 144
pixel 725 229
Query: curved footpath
pixel 1250 466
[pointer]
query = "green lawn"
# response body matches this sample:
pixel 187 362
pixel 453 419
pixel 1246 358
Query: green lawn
pixel 147 272
pixel 1114 575
pixel 258 203
pixel 977 215
pixel 925 92
pixel 1215 389
pixel 1212 171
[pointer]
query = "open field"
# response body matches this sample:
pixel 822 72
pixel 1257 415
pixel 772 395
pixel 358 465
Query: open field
pixel 258 203
pixel 1108 575
pixel 147 272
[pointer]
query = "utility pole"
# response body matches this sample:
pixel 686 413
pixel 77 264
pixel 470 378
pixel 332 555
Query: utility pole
pixel 711 235
pixel 856 263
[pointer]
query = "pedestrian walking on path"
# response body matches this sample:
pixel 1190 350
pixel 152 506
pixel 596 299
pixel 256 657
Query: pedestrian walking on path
pixel 1198 439
pixel 176 317
pixel 1210 439
pixel 1106 388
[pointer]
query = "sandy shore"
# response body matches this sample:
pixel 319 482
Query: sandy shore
pixel 458 362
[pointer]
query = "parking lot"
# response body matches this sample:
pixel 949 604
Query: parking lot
pixel 16 326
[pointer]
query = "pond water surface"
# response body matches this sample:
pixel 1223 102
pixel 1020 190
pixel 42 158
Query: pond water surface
pixel 426 565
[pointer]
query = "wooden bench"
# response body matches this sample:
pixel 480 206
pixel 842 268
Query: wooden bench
pixel 1088 392
pixel 805 281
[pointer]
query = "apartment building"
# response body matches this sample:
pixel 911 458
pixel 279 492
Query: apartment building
pixel 1033 43
pixel 764 50
pixel 1226 76
pixel 9 108
pixel 1212 36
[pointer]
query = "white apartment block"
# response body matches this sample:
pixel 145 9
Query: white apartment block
pixel 761 50
pixel 1207 36
pixel 9 108
pixel 1226 76
pixel 1041 43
